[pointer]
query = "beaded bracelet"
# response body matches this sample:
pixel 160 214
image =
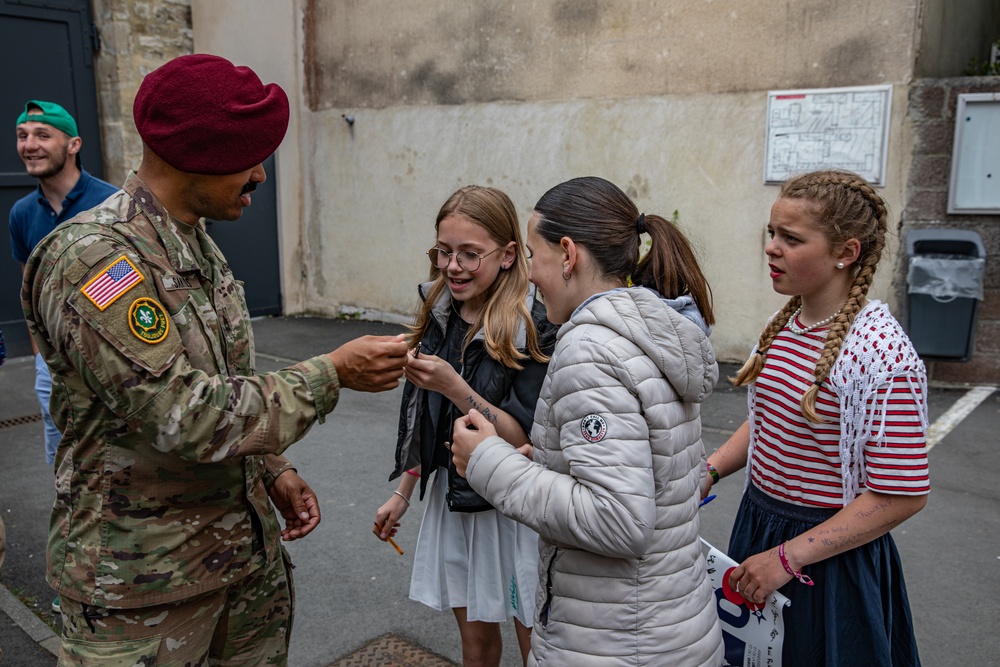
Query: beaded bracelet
pixel 788 568
pixel 714 473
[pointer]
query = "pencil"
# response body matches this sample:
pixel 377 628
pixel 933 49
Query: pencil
pixel 391 541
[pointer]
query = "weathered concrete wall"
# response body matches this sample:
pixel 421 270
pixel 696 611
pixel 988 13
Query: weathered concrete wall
pixel 932 107
pixel 666 99
pixel 383 53
pixel 137 36
pixel 701 155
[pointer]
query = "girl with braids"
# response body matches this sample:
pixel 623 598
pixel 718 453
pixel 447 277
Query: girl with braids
pixel 835 445
pixel 480 340
pixel 618 457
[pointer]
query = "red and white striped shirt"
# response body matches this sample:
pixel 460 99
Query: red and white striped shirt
pixel 799 462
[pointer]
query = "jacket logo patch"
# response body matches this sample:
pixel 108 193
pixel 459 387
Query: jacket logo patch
pixel 114 280
pixel 148 321
pixel 594 428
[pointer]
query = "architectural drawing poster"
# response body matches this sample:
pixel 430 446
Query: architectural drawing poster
pixel 827 128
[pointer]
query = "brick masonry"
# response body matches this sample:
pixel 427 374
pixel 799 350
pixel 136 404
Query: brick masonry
pixel 932 105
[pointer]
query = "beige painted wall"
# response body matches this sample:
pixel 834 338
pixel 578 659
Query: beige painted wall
pixel 358 201
pixel 698 154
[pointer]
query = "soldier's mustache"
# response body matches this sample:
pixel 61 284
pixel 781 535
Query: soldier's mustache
pixel 249 187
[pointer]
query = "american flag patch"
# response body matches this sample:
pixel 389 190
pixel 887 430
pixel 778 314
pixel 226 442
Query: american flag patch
pixel 117 278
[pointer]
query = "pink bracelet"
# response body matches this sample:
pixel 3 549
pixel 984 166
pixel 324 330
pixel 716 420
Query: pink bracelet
pixel 788 568
pixel 415 474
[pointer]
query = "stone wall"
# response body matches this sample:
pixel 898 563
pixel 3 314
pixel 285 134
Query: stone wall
pixel 137 36
pixel 932 107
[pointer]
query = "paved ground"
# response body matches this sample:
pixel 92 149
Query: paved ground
pixel 352 607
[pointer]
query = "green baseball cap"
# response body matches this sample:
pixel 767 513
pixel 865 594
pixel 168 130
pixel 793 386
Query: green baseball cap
pixel 51 114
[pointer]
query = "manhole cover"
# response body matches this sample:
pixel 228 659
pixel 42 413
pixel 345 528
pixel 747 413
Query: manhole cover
pixel 392 651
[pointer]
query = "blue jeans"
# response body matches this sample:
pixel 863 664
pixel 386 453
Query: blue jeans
pixel 43 389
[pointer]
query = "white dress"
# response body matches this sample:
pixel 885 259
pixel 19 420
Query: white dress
pixel 482 561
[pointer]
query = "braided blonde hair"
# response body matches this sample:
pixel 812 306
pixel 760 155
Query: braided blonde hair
pixel 845 207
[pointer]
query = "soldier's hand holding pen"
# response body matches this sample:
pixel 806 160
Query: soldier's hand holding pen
pixel 370 363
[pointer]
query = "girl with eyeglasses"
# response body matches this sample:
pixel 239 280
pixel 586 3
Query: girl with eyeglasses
pixel 481 341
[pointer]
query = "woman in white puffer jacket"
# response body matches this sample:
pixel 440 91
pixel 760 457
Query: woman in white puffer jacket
pixel 614 487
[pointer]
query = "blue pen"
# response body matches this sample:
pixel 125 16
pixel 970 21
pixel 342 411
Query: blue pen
pixel 707 500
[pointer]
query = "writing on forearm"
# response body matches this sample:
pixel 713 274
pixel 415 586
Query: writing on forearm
pixel 484 410
pixel 879 507
pixel 845 542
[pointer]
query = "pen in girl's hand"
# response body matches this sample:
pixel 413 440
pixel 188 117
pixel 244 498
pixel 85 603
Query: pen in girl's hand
pixel 706 500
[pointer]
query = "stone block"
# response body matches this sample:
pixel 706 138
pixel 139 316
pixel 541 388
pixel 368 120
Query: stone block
pixel 925 205
pixel 933 138
pixel 927 101
pixel 989 307
pixel 930 171
pixel 987 337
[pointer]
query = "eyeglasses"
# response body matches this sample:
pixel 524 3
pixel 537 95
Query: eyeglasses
pixel 467 259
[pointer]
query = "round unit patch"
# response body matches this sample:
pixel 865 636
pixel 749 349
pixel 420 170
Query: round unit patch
pixel 147 320
pixel 594 428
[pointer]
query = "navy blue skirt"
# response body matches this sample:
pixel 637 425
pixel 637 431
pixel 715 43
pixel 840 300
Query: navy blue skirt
pixel 857 613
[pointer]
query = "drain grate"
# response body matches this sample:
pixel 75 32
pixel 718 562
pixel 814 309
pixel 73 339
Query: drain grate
pixel 18 421
pixel 392 651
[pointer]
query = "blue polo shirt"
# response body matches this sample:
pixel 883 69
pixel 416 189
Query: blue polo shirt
pixel 32 218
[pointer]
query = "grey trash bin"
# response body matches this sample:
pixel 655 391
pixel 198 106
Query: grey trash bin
pixel 944 285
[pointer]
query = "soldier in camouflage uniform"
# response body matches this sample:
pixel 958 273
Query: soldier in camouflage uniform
pixel 163 543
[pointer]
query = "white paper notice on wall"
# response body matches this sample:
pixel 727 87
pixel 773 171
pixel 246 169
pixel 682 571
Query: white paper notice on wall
pixel 975 160
pixel 827 128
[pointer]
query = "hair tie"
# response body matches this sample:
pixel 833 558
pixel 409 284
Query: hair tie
pixel 640 224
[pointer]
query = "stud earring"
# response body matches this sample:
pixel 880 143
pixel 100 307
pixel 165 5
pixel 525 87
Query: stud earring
pixel 840 265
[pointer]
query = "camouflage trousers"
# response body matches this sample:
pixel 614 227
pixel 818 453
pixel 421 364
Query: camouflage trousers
pixel 245 624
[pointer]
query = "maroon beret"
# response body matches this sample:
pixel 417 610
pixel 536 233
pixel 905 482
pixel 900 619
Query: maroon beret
pixel 203 115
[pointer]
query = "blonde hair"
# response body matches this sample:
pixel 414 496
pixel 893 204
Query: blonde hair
pixel 845 206
pixel 505 310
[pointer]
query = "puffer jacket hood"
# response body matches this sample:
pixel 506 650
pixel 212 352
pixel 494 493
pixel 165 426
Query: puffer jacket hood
pixel 642 316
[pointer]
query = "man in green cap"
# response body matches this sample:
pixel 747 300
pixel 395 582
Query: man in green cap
pixel 49 145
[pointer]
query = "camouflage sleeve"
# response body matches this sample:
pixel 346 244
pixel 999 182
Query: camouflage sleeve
pixel 145 376
pixel 274 465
